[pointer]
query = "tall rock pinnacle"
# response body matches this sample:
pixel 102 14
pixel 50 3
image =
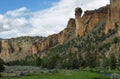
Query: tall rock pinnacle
pixel 79 24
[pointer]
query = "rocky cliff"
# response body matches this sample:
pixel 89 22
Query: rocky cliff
pixel 113 18
pixel 76 27
pixel 52 40
pixel 115 10
pixel 18 48
pixel 68 33
pixel 89 19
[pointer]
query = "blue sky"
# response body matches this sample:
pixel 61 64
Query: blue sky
pixel 39 17
pixel 33 5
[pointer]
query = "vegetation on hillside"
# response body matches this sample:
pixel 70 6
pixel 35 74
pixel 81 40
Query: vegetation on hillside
pixel 1 65
pixel 28 61
pixel 91 50
pixel 95 49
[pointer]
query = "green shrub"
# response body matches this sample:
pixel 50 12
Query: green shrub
pixel 1 65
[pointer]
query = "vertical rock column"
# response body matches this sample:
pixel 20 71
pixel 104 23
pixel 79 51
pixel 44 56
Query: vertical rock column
pixel 115 10
pixel 79 24
pixel 113 15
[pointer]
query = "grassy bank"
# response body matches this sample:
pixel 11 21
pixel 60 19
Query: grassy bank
pixel 63 74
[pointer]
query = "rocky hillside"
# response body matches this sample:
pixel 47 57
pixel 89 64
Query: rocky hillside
pixel 17 48
pixel 76 27
pixel 95 49
pixel 81 28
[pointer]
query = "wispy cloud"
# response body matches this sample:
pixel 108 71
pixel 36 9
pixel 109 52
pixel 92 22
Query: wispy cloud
pixel 22 22
pixel 18 12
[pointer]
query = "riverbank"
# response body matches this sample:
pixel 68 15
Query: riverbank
pixel 30 72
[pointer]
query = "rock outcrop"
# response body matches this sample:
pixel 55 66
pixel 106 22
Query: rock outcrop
pixel 18 48
pixel 79 23
pixel 52 40
pixel 89 19
pixel 115 10
pixel 68 33
pixel 75 27
pixel 113 18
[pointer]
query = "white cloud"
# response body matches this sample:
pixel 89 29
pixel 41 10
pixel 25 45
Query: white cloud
pixel 42 23
pixel 94 4
pixel 17 12
pixel 6 26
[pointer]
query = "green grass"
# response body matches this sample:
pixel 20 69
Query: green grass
pixel 63 74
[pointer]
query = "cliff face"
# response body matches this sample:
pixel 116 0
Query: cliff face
pixel 52 40
pixel 68 33
pixel 113 18
pixel 115 10
pixel 115 14
pixel 75 27
pixel 91 18
pixel 18 48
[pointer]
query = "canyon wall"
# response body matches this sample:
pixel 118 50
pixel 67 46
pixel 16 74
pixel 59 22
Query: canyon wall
pixel 52 40
pixel 115 10
pixel 113 18
pixel 18 48
pixel 89 20
pixel 68 33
